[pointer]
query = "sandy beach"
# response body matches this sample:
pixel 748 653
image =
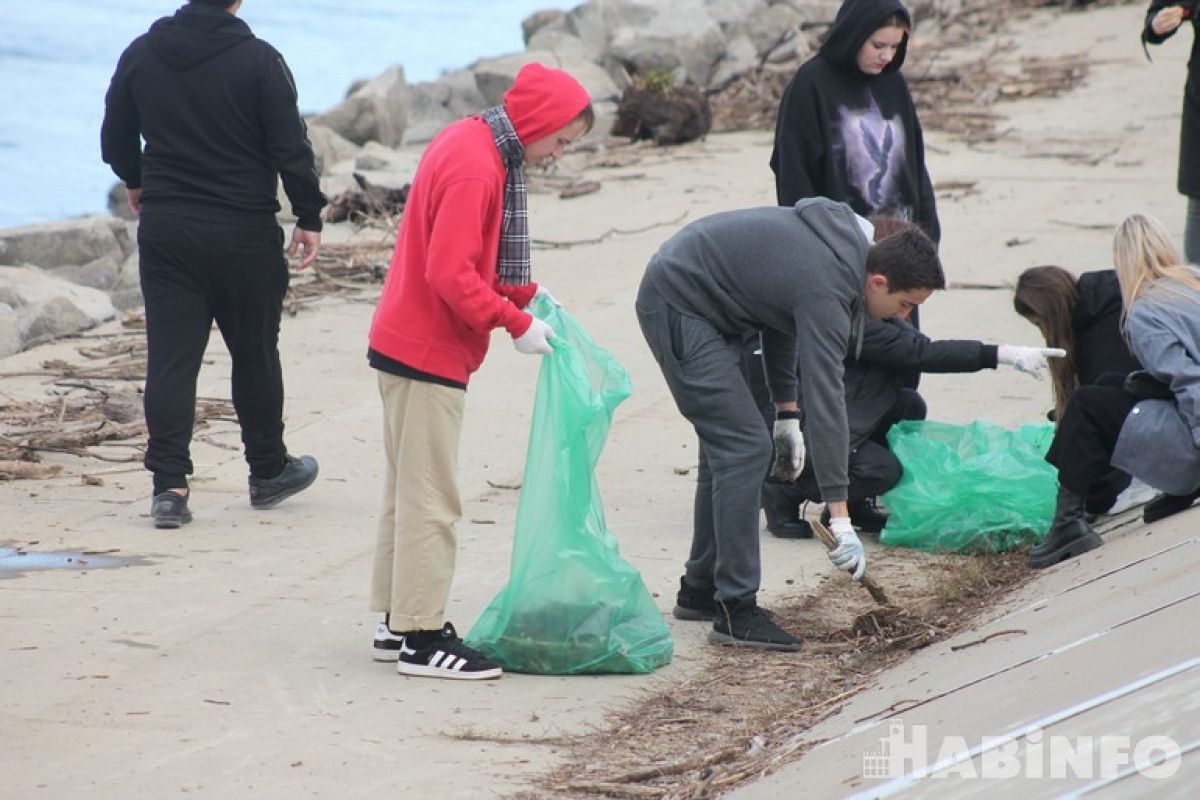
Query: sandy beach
pixel 231 658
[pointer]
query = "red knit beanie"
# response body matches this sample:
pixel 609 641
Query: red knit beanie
pixel 543 100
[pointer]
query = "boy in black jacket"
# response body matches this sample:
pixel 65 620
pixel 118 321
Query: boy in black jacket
pixel 217 110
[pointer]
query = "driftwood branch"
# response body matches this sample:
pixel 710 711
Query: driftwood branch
pixel 557 245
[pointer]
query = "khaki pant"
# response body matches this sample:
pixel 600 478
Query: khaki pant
pixel 416 544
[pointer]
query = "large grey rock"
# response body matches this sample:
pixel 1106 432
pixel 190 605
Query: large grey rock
pixel 562 44
pixel 740 56
pixel 118 202
pixel 679 36
pixel 47 307
pixel 494 76
pixel 98 274
pixel 329 146
pixel 435 104
pixel 59 244
pixel 768 27
pixel 543 20
pixel 731 15
pixel 126 293
pixel 10 331
pixel 594 23
pixel 376 111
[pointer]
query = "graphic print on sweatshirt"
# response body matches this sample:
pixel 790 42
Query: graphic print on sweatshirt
pixel 873 149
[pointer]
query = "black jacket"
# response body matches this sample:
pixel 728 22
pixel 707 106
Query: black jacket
pixel 891 351
pixel 1189 135
pixel 1096 324
pixel 854 137
pixel 217 110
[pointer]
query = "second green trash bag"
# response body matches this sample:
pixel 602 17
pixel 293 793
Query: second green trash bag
pixel 572 605
pixel 970 488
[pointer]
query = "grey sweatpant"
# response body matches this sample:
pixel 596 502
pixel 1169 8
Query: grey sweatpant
pixel 703 371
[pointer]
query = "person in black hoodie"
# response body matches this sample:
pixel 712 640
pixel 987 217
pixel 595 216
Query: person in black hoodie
pixel 217 110
pixel 847 128
pixel 1083 316
pixel 1163 19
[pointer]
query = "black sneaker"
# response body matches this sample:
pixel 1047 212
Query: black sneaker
pixel 386 646
pixel 169 510
pixel 443 655
pixel 298 474
pixel 865 516
pixel 694 605
pixel 744 624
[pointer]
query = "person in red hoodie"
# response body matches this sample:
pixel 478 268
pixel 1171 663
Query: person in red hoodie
pixel 460 269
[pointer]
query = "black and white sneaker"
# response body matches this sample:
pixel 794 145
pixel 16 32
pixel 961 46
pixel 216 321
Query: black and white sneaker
pixel 386 646
pixel 441 654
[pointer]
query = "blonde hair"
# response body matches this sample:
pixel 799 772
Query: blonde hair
pixel 1147 261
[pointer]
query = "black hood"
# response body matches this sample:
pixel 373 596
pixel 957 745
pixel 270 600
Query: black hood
pixel 1099 296
pixel 855 22
pixel 195 34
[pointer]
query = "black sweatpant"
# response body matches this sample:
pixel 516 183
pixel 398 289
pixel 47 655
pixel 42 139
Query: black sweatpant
pixel 1087 435
pixel 194 273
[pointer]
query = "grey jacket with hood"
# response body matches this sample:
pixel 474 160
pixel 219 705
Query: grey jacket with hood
pixel 796 274
pixel 1160 439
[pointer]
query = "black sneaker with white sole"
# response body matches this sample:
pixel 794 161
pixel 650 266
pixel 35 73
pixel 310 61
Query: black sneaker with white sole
pixel 742 623
pixel 441 654
pixel 386 646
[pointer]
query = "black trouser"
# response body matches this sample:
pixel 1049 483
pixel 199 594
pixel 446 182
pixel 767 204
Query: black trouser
pixel 1086 437
pixel 872 467
pixel 193 273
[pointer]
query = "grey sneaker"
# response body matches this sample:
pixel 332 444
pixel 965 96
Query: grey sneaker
pixel 169 510
pixel 298 474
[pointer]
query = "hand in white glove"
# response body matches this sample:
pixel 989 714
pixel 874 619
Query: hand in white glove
pixel 848 555
pixel 789 450
pixel 1030 360
pixel 536 340
pixel 542 291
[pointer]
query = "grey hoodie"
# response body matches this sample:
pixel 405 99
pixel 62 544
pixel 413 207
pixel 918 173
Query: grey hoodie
pixel 796 274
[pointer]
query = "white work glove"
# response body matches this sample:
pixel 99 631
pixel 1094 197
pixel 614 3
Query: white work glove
pixel 542 291
pixel 789 450
pixel 1030 360
pixel 536 340
pixel 848 555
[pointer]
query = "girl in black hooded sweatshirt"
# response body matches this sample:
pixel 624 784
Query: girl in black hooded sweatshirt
pixel 847 127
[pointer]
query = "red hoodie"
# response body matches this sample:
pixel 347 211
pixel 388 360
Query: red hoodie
pixel 441 298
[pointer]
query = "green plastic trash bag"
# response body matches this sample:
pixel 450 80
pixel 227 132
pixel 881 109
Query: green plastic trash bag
pixel 970 488
pixel 572 604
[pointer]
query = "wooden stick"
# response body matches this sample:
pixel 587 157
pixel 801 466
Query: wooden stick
pixel 830 542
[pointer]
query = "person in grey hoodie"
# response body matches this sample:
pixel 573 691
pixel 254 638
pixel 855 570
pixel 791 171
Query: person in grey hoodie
pixel 1150 425
pixel 804 277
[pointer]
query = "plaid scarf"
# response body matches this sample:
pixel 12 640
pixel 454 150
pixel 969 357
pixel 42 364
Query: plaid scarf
pixel 512 261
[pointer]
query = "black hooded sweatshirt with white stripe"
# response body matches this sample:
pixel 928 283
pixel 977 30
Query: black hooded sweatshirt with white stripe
pixel 217 110
pixel 850 136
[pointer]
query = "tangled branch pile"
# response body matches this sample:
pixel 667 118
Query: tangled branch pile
pixel 745 712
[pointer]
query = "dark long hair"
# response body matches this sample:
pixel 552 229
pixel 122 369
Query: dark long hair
pixel 1047 296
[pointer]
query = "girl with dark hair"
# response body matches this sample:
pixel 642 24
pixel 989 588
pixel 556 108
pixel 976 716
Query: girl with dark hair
pixel 1083 316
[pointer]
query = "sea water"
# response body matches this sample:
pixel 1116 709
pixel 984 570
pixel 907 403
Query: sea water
pixel 57 57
